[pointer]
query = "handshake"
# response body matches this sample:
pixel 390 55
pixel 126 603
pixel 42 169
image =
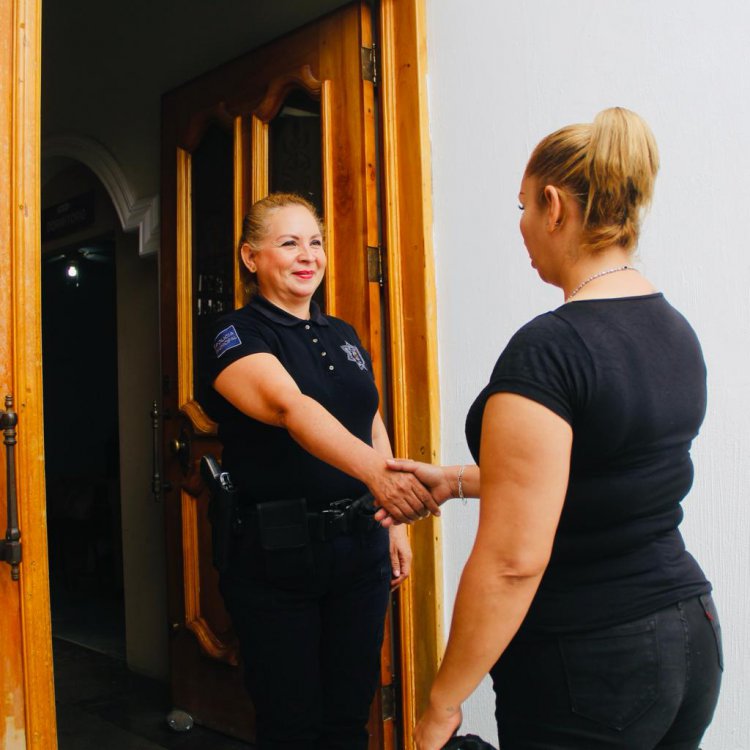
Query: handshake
pixel 406 490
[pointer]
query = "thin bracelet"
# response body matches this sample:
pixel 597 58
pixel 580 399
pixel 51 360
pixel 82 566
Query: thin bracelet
pixel 461 484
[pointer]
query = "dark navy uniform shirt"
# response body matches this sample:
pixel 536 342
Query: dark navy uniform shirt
pixel 326 359
pixel 628 375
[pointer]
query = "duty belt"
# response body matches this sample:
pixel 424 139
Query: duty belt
pixel 341 517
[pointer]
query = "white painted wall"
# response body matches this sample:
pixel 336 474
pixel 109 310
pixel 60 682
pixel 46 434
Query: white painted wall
pixel 503 75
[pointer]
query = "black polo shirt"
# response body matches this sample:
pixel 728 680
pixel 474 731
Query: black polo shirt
pixel 326 359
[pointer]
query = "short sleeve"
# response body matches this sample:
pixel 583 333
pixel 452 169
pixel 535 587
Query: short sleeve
pixel 547 362
pixel 234 337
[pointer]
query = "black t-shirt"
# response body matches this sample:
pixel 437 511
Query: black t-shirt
pixel 326 359
pixel 628 375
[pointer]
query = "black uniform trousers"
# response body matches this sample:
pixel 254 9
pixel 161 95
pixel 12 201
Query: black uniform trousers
pixel 647 684
pixel 310 630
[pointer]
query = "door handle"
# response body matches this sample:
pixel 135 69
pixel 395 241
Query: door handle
pixel 10 547
pixel 179 447
pixel 158 485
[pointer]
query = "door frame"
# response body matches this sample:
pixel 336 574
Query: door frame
pixel 407 216
pixel 412 340
pixel 20 108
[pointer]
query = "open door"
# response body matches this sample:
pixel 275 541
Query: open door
pixel 295 115
pixel 27 703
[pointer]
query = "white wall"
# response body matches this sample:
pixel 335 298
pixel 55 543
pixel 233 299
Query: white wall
pixel 503 75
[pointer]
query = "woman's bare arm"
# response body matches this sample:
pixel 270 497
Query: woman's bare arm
pixel 525 462
pixel 259 386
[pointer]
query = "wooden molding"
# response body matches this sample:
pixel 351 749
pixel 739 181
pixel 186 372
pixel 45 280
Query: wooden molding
pixel 242 178
pixel 200 122
pixel 202 424
pixel 413 336
pixel 326 126
pixel 213 646
pixel 184 280
pixel 21 28
pixel 209 642
pixel 279 88
pixel 259 187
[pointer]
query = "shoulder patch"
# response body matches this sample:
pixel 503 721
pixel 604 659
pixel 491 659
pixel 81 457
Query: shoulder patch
pixel 225 340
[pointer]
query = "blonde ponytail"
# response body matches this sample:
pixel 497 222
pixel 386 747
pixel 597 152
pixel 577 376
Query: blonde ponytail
pixel 609 167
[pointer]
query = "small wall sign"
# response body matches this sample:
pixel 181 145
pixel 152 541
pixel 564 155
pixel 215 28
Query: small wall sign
pixel 68 217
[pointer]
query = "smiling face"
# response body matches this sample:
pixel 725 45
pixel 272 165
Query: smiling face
pixel 289 262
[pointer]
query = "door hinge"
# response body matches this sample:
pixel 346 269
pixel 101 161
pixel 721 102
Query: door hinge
pixel 388 701
pixel 369 65
pixel 375 264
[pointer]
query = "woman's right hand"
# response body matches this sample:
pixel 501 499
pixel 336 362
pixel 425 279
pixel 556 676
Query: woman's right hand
pixel 401 495
pixel 432 477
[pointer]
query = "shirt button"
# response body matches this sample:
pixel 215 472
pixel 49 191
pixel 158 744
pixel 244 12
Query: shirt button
pixel 323 354
pixel 330 367
pixel 315 341
pixel 307 327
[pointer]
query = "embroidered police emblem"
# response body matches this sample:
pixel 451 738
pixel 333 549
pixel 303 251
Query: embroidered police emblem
pixel 226 340
pixel 354 355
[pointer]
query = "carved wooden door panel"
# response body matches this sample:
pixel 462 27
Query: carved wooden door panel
pixel 297 114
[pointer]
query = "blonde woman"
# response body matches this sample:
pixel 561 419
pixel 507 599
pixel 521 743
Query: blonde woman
pixel 309 576
pixel 579 598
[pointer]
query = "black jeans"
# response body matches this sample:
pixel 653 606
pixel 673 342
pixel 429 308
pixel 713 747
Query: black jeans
pixel 310 632
pixel 652 683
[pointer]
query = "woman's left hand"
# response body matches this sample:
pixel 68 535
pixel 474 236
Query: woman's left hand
pixel 436 727
pixel 400 555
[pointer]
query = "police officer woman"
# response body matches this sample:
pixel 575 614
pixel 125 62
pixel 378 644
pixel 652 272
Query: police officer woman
pixel 579 598
pixel 297 407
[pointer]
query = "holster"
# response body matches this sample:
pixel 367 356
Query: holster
pixel 222 511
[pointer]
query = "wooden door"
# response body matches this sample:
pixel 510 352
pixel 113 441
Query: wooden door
pixel 297 114
pixel 27 704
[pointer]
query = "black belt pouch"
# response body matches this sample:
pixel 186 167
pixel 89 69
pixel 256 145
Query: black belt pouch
pixel 284 537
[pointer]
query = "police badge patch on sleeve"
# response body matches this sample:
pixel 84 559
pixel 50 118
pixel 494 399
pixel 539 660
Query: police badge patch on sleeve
pixel 353 354
pixel 226 340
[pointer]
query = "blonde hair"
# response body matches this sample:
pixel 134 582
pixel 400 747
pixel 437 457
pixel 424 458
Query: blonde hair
pixel 609 166
pixel 255 228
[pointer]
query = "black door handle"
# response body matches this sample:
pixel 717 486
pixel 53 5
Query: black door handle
pixel 10 547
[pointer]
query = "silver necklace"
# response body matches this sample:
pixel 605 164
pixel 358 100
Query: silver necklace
pixel 596 276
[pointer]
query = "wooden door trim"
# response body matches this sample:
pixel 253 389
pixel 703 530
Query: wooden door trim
pixel 407 201
pixel 21 31
pixel 184 280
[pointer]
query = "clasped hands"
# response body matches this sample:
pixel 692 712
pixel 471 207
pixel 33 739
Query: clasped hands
pixel 407 490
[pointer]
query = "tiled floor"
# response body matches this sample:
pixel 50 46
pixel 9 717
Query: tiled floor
pixel 103 706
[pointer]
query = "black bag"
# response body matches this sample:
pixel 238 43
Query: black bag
pixel 467 742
